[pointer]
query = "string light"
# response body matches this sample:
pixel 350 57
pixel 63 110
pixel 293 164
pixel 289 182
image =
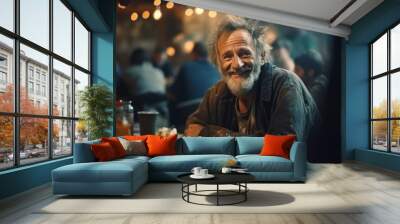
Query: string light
pixel 157 14
pixel 134 16
pixel 157 2
pixel 188 46
pixel 146 14
pixel 170 51
pixel 189 12
pixel 169 5
pixel 212 14
pixel 198 11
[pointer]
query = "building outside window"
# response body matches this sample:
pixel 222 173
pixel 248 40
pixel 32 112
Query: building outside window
pixel 385 91
pixel 56 128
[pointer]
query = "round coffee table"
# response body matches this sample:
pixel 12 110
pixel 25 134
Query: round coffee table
pixel 238 179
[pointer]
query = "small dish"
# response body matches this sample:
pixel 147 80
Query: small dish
pixel 208 176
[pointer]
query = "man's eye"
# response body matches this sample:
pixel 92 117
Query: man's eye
pixel 227 57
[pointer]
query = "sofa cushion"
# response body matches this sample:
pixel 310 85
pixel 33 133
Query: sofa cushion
pixel 207 145
pixel 159 146
pixel 257 163
pixel 103 152
pixel 249 145
pixel 185 163
pixel 116 145
pixel 112 171
pixel 277 145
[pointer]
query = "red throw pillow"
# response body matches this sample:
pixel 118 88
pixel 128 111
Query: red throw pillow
pixel 116 145
pixel 158 146
pixel 277 145
pixel 103 152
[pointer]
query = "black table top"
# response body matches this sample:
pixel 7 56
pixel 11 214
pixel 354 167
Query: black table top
pixel 220 178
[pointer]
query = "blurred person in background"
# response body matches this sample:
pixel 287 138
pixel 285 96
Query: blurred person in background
pixel 281 55
pixel 160 60
pixel 309 67
pixel 146 85
pixel 194 78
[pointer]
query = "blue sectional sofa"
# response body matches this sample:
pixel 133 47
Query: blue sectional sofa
pixel 125 176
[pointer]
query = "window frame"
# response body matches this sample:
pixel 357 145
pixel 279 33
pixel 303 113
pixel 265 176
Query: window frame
pixel 16 114
pixel 388 74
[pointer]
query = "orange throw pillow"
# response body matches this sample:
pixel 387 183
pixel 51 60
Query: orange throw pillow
pixel 277 145
pixel 159 146
pixel 103 152
pixel 116 145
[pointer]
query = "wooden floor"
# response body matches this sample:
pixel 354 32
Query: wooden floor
pixel 353 182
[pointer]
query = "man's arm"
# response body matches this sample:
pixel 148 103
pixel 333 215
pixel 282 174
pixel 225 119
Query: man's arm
pixel 202 121
pixel 294 110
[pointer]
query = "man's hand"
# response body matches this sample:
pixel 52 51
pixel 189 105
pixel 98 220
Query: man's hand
pixel 194 130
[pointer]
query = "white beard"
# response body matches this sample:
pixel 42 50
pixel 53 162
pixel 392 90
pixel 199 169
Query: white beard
pixel 242 86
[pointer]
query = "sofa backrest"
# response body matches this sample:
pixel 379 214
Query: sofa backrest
pixel 83 152
pixel 206 145
pixel 249 145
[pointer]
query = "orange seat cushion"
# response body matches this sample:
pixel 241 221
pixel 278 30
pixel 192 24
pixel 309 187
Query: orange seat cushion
pixel 277 145
pixel 103 152
pixel 159 146
pixel 116 145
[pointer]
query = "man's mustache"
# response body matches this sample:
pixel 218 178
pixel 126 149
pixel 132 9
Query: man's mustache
pixel 242 71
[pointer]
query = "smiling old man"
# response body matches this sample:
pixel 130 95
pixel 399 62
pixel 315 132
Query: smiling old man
pixel 254 97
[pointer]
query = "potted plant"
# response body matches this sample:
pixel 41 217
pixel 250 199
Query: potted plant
pixel 96 104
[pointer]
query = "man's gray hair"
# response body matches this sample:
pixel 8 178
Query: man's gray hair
pixel 231 24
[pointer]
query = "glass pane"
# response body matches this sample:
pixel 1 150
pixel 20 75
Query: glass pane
pixel 33 139
pixel 81 131
pixel 34 92
pixel 395 136
pixel 395 47
pixel 6 74
pixel 62 29
pixel 81 45
pixel 6 142
pixel 379 135
pixel 379 97
pixel 35 21
pixel 81 81
pixel 62 138
pixel 62 89
pixel 395 94
pixel 379 55
pixel 7 14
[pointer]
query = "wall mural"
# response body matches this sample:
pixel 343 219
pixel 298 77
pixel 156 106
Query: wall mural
pixel 207 73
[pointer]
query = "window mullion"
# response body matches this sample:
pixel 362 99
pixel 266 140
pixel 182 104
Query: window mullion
pixel 50 81
pixel 389 106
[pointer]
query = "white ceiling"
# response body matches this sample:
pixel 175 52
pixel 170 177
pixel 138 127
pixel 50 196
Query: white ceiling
pixel 319 9
pixel 314 15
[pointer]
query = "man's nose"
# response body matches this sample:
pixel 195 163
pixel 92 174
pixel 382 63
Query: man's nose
pixel 237 62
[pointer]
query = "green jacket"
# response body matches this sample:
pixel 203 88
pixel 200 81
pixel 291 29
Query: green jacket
pixel 283 106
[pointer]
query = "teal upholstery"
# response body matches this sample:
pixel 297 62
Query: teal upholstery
pixel 83 152
pixel 119 177
pixel 207 145
pixel 249 145
pixel 257 163
pixel 184 163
